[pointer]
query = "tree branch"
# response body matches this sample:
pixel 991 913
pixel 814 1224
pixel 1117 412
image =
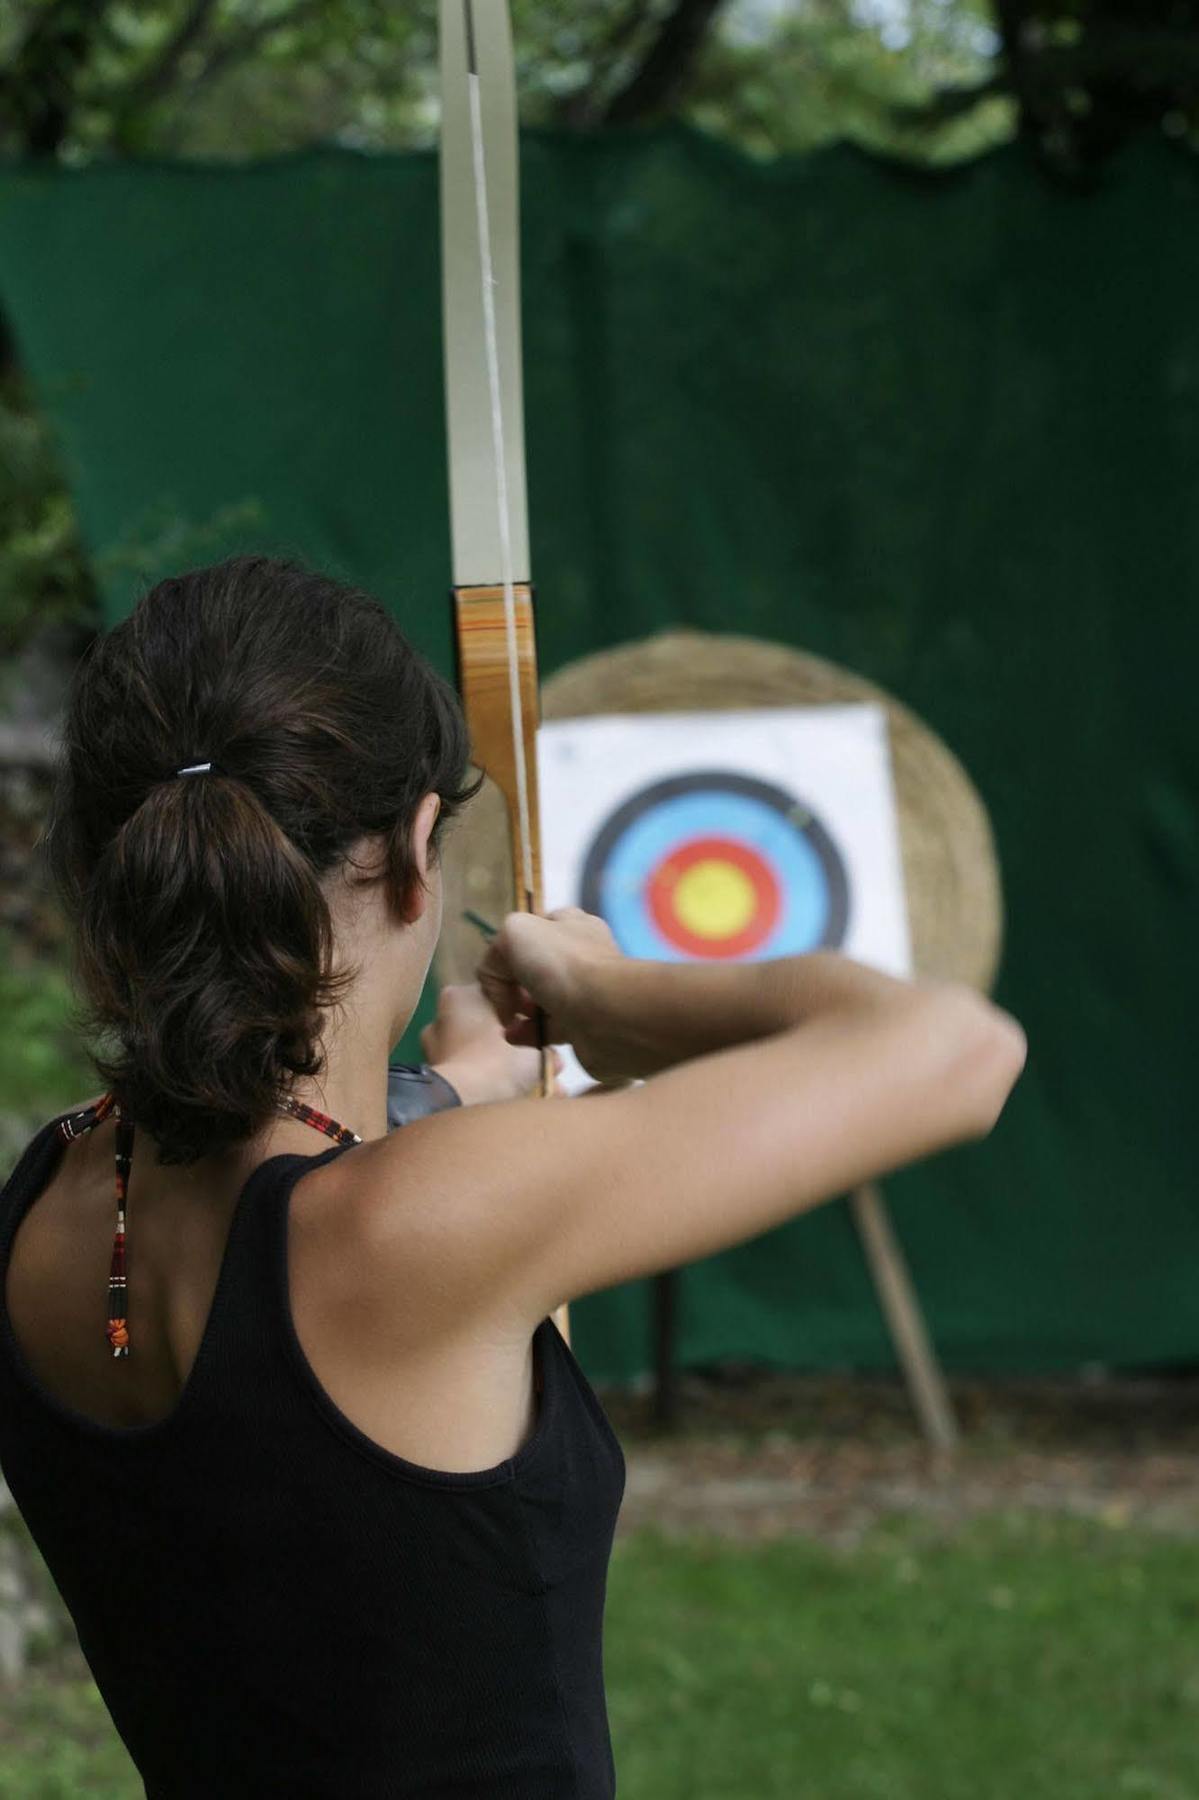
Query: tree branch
pixel 667 65
pixel 1011 19
pixel 242 44
pixel 154 81
pixel 947 104
pixel 37 92
pixel 584 107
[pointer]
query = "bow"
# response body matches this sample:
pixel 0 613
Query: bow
pixel 489 524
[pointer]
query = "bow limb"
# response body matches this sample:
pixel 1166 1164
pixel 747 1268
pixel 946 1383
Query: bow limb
pixel 492 592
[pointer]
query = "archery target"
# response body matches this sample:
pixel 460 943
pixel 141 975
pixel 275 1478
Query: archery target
pixel 727 836
pixel 716 865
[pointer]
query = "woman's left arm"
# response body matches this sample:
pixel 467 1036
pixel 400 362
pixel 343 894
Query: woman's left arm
pixel 468 1060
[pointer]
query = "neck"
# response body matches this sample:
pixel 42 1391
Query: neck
pixel 357 1038
pixel 352 1087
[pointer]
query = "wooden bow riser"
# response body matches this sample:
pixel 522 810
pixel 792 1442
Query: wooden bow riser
pixel 485 685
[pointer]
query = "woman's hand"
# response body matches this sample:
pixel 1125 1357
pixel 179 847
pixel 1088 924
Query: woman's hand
pixel 466 1045
pixel 555 965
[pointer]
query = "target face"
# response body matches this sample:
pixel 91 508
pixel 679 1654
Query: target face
pixel 716 865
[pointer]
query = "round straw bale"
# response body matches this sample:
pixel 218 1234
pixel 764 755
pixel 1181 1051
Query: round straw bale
pixel 951 874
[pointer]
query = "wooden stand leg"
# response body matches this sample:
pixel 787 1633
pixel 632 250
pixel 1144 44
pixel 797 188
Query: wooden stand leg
pixel 905 1321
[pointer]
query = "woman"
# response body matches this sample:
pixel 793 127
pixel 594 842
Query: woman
pixel 332 1502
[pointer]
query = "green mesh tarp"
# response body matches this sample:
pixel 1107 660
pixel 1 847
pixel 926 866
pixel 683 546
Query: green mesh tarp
pixel 943 429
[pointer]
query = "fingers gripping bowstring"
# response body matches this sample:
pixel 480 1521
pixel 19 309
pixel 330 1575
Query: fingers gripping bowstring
pixel 492 348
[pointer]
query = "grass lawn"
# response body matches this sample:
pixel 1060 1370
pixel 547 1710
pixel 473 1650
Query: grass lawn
pixel 1031 1658
pixel 1028 1657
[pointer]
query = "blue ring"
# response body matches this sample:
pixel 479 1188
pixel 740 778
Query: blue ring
pixel 653 824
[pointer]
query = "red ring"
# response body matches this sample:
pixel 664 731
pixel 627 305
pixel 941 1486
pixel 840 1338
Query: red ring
pixel 659 894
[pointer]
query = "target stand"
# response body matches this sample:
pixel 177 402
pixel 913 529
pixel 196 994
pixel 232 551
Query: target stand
pixel 716 861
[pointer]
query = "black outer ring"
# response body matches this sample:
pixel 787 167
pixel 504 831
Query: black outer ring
pixel 614 828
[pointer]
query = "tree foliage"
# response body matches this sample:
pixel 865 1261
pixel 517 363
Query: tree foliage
pixel 246 77
pixel 44 576
pixel 930 80
pixel 1089 74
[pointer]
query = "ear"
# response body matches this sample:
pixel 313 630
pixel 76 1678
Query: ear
pixel 417 897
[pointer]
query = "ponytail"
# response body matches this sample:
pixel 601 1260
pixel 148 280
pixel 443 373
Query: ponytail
pixel 204 953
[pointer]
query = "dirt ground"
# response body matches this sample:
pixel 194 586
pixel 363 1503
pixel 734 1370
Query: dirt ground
pixel 756 1455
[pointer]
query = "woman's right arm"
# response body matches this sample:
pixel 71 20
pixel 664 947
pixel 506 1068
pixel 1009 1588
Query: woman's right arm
pixel 770 1087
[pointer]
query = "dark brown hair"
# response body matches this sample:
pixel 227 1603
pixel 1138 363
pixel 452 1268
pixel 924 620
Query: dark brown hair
pixel 203 940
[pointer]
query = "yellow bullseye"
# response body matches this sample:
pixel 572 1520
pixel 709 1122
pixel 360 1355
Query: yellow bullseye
pixel 714 899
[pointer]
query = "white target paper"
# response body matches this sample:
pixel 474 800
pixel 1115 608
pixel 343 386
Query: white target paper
pixel 728 836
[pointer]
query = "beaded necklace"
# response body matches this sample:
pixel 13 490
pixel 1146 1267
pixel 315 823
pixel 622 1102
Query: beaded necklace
pixel 75 1124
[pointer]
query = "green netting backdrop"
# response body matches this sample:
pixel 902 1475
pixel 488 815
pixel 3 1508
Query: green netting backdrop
pixel 941 428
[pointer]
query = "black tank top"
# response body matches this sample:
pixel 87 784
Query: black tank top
pixel 272 1604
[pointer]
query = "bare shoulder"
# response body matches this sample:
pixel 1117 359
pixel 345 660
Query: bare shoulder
pixel 427 1237
pixel 381 1307
pixel 416 1235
